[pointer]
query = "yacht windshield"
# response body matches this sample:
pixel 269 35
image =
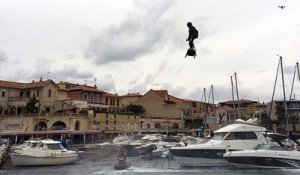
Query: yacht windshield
pixel 219 136
pixel 54 146
pixel 269 147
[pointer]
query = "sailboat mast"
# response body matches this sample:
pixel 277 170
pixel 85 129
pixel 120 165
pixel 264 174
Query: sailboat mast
pixel 284 97
pixel 297 65
pixel 237 95
pixel 232 93
pixel 204 93
pixel 213 99
pixel 205 105
pixel 293 83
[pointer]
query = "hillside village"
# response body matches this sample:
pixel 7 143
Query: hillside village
pixel 87 114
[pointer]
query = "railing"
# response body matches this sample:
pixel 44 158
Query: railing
pixel 18 98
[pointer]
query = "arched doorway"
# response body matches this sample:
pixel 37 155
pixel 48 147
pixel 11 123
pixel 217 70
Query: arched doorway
pixel 40 126
pixel 77 125
pixel 59 126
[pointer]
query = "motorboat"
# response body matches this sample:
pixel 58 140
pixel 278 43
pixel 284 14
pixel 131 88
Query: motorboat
pixel 265 156
pixel 44 152
pixel 3 150
pixel 233 137
pixel 157 146
pixel 136 147
pixel 283 153
pixel 121 140
pixel 27 144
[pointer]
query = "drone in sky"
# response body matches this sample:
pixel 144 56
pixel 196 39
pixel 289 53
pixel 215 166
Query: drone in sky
pixel 281 6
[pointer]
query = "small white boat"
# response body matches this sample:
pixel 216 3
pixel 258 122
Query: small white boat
pixel 45 152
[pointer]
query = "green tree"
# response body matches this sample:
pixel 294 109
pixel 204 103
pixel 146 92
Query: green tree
pixel 294 120
pixel 280 112
pixel 32 105
pixel 135 109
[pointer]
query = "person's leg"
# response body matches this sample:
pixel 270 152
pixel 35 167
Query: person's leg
pixel 191 43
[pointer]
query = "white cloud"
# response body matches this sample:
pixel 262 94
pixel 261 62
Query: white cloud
pixel 138 45
pixel 3 56
pixel 139 34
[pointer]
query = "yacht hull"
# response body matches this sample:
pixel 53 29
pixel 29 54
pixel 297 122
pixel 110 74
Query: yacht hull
pixel 264 162
pixel 200 162
pixel 28 160
pixel 199 157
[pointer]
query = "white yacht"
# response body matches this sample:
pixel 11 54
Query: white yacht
pixel 271 155
pixel 237 136
pixel 45 152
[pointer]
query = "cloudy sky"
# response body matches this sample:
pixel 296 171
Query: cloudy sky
pixel 138 45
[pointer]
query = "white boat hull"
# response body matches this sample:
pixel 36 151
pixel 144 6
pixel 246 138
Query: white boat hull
pixel 264 158
pixel 28 160
pixel 200 162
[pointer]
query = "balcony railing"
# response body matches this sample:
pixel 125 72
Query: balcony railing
pixel 18 98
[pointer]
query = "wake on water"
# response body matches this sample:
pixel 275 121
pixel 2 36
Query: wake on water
pixel 186 171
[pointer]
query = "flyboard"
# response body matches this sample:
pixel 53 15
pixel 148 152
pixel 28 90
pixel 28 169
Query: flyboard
pixel 191 52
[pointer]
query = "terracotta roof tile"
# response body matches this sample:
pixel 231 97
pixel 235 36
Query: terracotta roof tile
pixel 110 95
pixel 137 94
pixel 162 93
pixel 17 85
pixel 257 105
pixel 242 101
pixel 85 88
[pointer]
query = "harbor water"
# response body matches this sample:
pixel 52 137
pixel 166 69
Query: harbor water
pixel 98 163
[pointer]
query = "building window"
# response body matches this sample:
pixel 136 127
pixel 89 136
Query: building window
pixel 194 104
pixel 106 100
pixel 27 94
pixel 92 98
pixel 47 109
pixel 112 102
pixel 49 92
pixel 21 94
pixel 3 93
pixel 122 124
pixel 118 102
pixel 77 125
pixel 37 93
pixel 175 125
pixel 106 122
pixel 148 126
pixel 157 125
